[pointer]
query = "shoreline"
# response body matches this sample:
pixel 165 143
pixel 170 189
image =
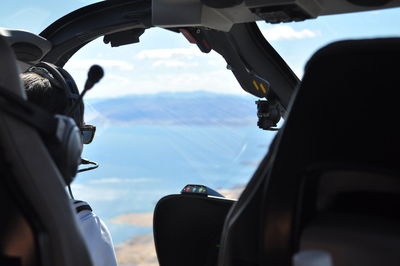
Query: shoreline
pixel 145 219
pixel 137 251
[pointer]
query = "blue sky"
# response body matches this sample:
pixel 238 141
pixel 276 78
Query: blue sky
pixel 165 62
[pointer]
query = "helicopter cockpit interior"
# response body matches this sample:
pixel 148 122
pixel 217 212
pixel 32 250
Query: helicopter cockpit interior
pixel 326 193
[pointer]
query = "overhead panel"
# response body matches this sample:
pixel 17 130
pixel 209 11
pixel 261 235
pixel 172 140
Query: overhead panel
pixel 222 14
pixel 190 13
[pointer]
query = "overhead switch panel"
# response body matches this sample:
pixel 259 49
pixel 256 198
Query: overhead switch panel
pixel 278 11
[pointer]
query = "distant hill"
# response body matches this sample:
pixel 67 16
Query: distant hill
pixel 191 108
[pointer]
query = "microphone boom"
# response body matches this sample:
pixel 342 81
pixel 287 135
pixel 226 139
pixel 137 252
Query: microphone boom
pixel 95 73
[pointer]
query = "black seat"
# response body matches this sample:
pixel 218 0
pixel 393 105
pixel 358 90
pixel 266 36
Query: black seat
pixel 187 229
pixel 335 168
pixel 38 225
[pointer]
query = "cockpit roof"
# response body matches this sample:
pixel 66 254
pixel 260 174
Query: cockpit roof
pixel 254 62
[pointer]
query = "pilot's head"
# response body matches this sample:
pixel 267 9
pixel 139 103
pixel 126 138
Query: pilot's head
pixel 42 93
pixel 53 89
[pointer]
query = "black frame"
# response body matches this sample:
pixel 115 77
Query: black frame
pixel 262 65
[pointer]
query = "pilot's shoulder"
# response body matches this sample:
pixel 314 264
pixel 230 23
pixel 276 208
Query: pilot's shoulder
pixel 80 206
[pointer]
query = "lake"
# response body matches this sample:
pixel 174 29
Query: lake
pixel 139 164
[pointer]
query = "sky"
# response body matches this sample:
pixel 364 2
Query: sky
pixel 164 61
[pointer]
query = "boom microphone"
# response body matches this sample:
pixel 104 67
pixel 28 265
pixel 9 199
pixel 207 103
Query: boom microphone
pixel 94 75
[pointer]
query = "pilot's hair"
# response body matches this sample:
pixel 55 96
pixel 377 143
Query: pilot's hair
pixel 40 92
pixel 53 99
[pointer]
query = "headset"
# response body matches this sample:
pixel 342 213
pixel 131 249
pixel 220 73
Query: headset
pixel 59 133
pixel 59 78
pixel 67 150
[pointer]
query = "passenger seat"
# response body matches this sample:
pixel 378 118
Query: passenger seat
pixel 333 179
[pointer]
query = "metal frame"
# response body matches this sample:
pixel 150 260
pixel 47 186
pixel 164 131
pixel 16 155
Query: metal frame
pixel 73 31
pixel 261 72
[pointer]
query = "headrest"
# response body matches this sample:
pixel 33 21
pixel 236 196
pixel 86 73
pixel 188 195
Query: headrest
pixel 345 111
pixel 188 228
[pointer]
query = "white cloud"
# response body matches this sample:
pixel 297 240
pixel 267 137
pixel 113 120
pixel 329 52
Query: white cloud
pixel 155 70
pixel 221 81
pixel 114 180
pixel 285 32
pixel 174 63
pixel 85 64
pixel 204 73
pixel 187 53
pixel 215 62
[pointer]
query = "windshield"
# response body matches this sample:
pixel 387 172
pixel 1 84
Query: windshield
pixel 168 115
pixel 296 42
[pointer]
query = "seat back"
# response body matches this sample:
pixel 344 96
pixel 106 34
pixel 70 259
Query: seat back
pixel 187 229
pixel 34 204
pixel 342 120
pixel 335 159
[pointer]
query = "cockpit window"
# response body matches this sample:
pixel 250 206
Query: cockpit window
pixel 167 115
pixel 296 42
pixel 35 16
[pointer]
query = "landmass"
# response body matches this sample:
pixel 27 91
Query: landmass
pixel 232 193
pixel 184 108
pixel 140 250
pixel 137 251
pixel 136 219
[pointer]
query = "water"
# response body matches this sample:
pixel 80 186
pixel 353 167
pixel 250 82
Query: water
pixel 141 164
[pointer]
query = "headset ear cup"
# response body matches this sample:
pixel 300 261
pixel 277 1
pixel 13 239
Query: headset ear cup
pixel 66 146
pixel 67 152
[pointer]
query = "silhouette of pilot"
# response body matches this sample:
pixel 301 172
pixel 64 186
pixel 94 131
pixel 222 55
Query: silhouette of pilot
pixel 43 90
